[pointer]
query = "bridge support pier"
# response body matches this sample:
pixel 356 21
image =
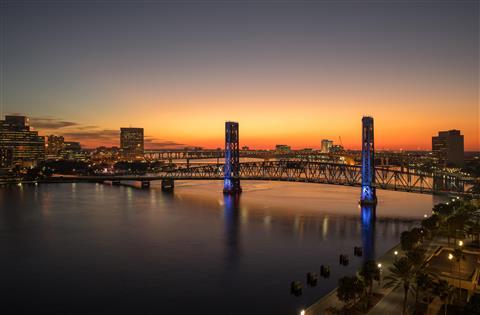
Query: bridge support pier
pixel 368 194
pixel 231 182
pixel 145 184
pixel 168 184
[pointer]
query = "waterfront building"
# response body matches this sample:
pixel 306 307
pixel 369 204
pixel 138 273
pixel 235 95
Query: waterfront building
pixel 73 151
pixel 54 147
pixel 448 148
pixel 26 146
pixel 326 146
pixel 6 158
pixel 131 143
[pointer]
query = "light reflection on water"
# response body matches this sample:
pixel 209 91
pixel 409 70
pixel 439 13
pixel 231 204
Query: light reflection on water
pixel 95 248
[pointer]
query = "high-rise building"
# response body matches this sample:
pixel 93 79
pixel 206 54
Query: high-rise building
pixel 26 146
pixel 73 151
pixel 54 147
pixel 6 158
pixel 326 146
pixel 447 146
pixel 131 143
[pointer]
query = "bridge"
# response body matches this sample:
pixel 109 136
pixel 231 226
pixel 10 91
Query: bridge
pixel 301 171
pixel 368 176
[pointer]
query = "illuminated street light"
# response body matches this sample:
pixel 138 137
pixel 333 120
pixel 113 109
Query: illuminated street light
pixel 425 215
pixel 379 265
pixel 450 256
pixel 395 253
pixel 460 243
pixel 302 312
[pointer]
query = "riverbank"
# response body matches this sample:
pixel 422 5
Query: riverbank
pixel 330 302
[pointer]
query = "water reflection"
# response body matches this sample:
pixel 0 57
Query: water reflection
pixel 232 227
pixel 368 214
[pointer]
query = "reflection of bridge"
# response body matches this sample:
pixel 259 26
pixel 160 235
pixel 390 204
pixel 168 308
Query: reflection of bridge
pixel 300 171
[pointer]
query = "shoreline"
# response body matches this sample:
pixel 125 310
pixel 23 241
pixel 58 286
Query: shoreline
pixel 330 300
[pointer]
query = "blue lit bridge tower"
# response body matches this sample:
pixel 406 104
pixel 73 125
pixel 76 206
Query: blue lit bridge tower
pixel 368 194
pixel 231 183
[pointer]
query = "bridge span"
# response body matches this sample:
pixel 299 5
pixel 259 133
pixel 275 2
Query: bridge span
pixel 301 171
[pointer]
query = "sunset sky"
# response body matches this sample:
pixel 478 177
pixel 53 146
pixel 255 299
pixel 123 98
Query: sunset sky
pixel 288 72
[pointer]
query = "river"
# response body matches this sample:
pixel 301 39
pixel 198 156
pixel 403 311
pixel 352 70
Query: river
pixel 93 248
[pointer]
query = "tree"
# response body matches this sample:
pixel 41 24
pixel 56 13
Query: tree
pixel 445 292
pixel 473 306
pixel 423 283
pixel 410 239
pixel 431 224
pixel 369 272
pixel 346 290
pixel 402 274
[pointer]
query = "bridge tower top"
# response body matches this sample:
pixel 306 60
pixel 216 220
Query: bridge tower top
pixel 368 194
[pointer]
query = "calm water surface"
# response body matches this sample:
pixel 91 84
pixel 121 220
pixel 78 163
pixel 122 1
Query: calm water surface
pixel 92 248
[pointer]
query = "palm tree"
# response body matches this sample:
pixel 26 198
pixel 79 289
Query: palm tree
pixel 417 257
pixel 369 272
pixel 402 274
pixel 346 290
pixel 445 292
pixel 423 282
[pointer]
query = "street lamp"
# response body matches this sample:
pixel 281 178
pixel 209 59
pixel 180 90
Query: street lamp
pixel 302 312
pixel 380 273
pixel 460 243
pixel 395 253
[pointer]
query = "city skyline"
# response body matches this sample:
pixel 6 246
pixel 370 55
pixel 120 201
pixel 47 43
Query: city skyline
pixel 306 75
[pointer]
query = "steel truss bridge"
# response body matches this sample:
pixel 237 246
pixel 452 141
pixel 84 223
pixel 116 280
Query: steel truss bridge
pixel 220 154
pixel 308 172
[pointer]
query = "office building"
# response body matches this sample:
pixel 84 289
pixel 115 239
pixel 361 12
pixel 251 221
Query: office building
pixel 448 147
pixel 131 143
pixel 54 147
pixel 6 158
pixel 326 146
pixel 26 146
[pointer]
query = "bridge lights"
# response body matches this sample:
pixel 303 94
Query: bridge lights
pixel 368 194
pixel 231 183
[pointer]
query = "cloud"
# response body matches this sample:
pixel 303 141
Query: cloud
pixel 93 135
pixel 50 123
pixel 155 143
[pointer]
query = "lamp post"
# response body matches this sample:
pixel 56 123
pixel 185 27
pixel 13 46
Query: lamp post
pixel 460 246
pixel 380 273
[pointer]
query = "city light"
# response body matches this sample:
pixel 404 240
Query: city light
pixel 450 256
pixel 302 312
pixel 379 265
pixel 395 253
pixel 425 215
pixel 460 243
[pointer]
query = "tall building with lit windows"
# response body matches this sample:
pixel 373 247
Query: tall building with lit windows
pixel 326 145
pixel 23 146
pixel 131 143
pixel 448 147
